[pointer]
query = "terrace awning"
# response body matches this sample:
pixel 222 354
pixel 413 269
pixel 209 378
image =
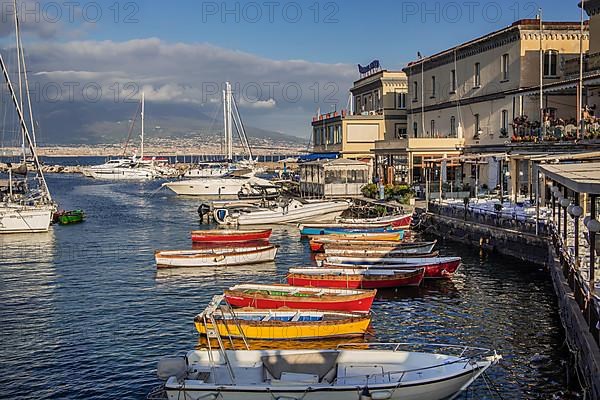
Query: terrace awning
pixel 318 156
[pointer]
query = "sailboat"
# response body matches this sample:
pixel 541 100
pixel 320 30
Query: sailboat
pixel 129 169
pixel 240 180
pixel 26 205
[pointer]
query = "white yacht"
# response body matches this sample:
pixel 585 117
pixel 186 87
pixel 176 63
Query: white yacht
pixel 26 205
pixel 227 187
pixel 290 211
pixel 229 179
pixel 128 169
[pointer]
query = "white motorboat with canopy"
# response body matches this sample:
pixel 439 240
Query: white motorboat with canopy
pixel 375 371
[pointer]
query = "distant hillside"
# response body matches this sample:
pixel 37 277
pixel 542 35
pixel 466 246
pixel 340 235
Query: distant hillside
pixel 104 123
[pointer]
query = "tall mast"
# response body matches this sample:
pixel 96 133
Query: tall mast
pixel 542 122
pixel 225 140
pixel 25 129
pixel 142 117
pixel 229 130
pixel 20 99
pixel 31 121
pixel 580 91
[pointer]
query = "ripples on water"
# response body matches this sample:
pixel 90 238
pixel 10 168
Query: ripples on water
pixel 85 314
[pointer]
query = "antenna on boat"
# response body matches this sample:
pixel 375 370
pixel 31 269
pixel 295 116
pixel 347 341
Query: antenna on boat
pixel 142 136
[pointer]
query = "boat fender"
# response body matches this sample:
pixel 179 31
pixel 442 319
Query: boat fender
pixel 381 395
pixel 220 257
pixel 222 214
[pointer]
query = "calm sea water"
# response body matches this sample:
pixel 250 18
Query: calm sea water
pixel 84 314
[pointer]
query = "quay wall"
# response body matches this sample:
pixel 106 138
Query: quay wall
pixel 581 343
pixel 523 246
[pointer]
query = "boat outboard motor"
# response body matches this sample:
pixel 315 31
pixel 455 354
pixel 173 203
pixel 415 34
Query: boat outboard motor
pixel 172 366
pixel 203 210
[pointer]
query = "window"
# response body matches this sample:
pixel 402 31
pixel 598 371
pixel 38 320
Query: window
pixel 401 101
pixel 504 126
pixel 358 104
pixel 453 81
pixel 477 75
pixel 477 126
pixel 415 129
pixel 377 100
pixel 432 134
pixel 550 63
pixel 433 86
pixel 415 91
pixel 400 131
pixel 504 67
pixel 453 126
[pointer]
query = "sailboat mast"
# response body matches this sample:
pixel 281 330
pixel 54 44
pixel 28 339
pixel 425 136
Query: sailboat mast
pixel 229 123
pixel 225 140
pixel 18 39
pixel 27 93
pixel 24 128
pixel 142 117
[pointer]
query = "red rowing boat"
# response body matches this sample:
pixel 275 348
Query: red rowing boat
pixel 354 278
pixel 229 236
pixel 302 298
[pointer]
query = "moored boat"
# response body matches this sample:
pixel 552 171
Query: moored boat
pixel 294 210
pixel 365 236
pixel 435 268
pixel 282 324
pixel 229 236
pixel 69 217
pixel 374 247
pixel 318 243
pixel 395 371
pixel 397 221
pixel 355 278
pixel 345 251
pixel 323 229
pixel 216 257
pixel 303 298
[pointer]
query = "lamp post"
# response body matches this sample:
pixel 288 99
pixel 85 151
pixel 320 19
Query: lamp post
pixel 555 215
pixel 576 212
pixel 565 203
pixel 594 227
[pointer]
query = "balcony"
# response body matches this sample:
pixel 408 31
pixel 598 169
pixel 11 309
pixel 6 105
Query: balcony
pixel 591 64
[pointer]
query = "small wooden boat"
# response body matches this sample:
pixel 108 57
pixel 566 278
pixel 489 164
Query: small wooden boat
pixel 436 268
pixel 323 229
pixel 393 371
pixel 284 324
pixel 302 298
pixel 216 257
pixel 394 236
pixel 69 217
pixel 230 236
pixel 320 258
pixel 414 248
pixel 355 278
pixel 318 243
pixel 397 221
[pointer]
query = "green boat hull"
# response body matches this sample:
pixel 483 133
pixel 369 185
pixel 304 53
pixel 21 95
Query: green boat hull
pixel 73 217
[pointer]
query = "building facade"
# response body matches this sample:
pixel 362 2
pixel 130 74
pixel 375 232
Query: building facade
pixel 377 110
pixel 480 97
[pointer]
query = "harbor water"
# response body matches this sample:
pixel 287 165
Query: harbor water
pixel 86 315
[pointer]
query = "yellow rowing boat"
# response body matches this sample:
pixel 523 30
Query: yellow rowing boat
pixel 284 324
pixel 370 236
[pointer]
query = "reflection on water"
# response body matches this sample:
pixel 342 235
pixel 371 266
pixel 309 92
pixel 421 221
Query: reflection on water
pixel 86 314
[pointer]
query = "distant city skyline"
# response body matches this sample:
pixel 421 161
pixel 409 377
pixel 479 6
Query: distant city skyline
pixel 287 59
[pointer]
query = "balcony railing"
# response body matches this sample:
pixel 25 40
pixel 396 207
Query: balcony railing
pixel 591 64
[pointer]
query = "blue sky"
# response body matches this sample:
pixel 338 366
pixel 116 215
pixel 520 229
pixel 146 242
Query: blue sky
pixel 349 31
pixel 179 51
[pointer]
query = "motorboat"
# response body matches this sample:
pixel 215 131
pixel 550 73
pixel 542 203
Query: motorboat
pixel 227 187
pixel 393 371
pixel 288 211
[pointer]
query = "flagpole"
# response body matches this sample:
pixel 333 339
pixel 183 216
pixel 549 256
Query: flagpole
pixel 580 98
pixel 542 122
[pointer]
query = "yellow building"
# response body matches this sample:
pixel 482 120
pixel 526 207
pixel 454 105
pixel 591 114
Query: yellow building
pixel 465 100
pixel 378 110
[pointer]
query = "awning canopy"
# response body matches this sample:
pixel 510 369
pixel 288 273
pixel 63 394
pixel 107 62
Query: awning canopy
pixel 318 156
